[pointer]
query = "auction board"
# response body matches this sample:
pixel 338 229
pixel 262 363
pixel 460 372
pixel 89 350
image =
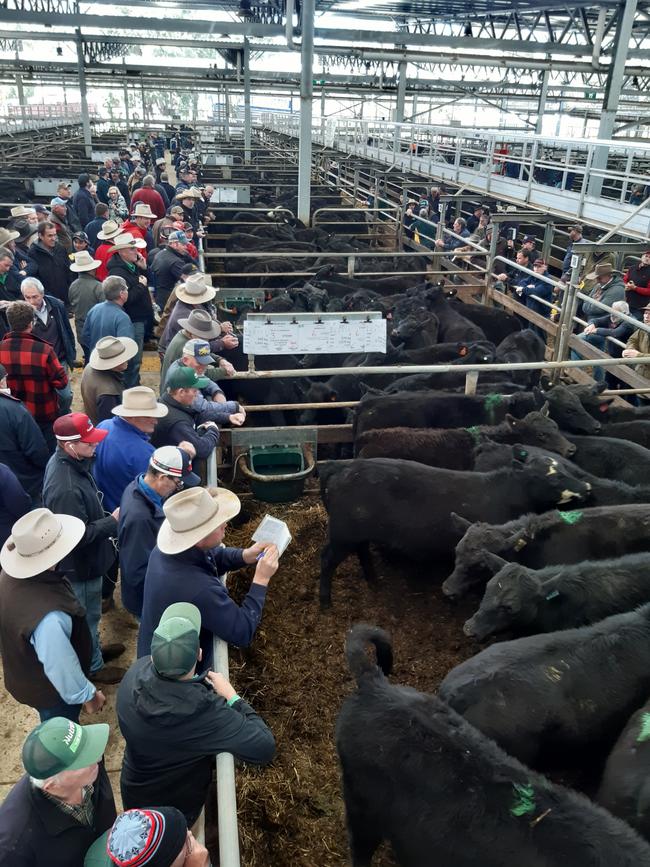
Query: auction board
pixel 298 333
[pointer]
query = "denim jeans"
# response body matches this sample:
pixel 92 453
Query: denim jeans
pixel 599 342
pixel 68 711
pixel 132 372
pixel 65 394
pixel 89 593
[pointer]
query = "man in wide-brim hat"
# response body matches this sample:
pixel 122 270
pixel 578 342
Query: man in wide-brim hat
pixel 199 324
pixel 45 641
pixel 109 231
pixel 186 564
pixel 609 287
pixel 85 291
pixel 102 383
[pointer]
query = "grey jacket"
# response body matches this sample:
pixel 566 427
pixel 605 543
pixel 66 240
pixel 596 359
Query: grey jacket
pixel 607 294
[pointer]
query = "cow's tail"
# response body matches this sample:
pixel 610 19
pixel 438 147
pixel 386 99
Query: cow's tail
pixel 365 669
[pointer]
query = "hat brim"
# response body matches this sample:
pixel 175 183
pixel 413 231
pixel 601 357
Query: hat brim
pixel 130 351
pixel 124 412
pixel 97 856
pixel 173 542
pixel 96 435
pixel 594 274
pixel 191 480
pixel 212 334
pixel 91 266
pixel 107 237
pixel 204 360
pixel 12 235
pixel 207 295
pixel 72 531
pixel 187 195
pixel 149 216
pixel 138 244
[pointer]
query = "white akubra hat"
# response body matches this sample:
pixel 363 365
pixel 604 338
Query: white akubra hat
pixel 126 241
pixel 190 193
pixel 192 515
pixel 140 401
pixel 142 209
pixel 110 229
pixel 7 235
pixel 196 289
pixel 111 351
pixel 83 261
pixel 38 541
pixel 22 211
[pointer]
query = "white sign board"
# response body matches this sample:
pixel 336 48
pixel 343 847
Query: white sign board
pixel 289 334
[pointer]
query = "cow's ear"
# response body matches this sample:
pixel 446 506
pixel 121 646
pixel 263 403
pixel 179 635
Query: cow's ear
pixel 598 387
pixel 364 388
pixel 459 523
pixel 539 396
pixel 333 395
pixel 512 421
pixel 494 561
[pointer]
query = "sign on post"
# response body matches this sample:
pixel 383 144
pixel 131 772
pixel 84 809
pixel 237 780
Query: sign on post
pixel 298 333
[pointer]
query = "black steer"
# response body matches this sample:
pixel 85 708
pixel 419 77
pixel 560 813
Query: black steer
pixel 540 540
pixel 634 431
pixel 558 690
pixel 526 601
pixel 625 787
pixel 417 775
pixel 406 506
pixel 612 458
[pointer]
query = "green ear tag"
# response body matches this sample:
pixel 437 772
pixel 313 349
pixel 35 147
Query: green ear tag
pixel 571 517
pixel 644 732
pixel 553 595
pixel 474 432
pixel 524 800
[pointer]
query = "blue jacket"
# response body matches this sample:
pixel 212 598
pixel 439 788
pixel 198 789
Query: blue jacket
pixel 58 312
pixel 192 576
pixel 84 205
pixel 92 228
pixel 103 320
pixel 140 520
pixel 22 446
pixel 122 456
pixel 544 290
pixel 14 502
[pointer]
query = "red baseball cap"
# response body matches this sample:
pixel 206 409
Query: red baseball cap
pixel 77 427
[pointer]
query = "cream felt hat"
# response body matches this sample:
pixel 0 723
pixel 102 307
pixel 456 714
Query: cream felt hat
pixel 127 241
pixel 22 211
pixel 196 289
pixel 138 402
pixel 192 515
pixel 110 229
pixel 38 541
pixel 142 209
pixel 83 261
pixel 111 351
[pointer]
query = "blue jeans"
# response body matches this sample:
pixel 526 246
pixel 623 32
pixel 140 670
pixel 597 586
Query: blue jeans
pixel 69 711
pixel 89 593
pixel 65 395
pixel 132 372
pixel 599 342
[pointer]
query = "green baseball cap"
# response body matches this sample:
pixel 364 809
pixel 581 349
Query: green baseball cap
pixel 175 641
pixel 186 377
pixel 59 744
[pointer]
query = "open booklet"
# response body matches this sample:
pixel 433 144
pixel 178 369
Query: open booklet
pixel 273 530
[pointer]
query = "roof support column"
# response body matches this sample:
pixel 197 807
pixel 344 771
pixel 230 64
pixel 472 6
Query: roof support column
pixel 613 89
pixel 399 103
pixel 543 93
pixel 21 94
pixel 247 101
pixel 306 96
pixel 126 106
pixel 85 118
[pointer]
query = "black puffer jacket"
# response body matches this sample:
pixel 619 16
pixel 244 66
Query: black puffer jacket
pixel 69 489
pixel 138 305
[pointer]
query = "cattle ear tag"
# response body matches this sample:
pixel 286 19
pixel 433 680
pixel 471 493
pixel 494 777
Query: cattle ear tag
pixel 571 517
pixel 552 595
pixel 524 799
pixel 644 731
pixel 603 407
pixel 519 544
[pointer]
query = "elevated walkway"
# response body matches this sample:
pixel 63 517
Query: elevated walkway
pixel 589 180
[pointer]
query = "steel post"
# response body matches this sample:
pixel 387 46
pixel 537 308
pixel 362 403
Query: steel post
pixel 85 118
pixel 247 102
pixel 306 96
pixel 400 100
pixel 541 108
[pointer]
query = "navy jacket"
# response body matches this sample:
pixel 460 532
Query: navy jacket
pixel 84 204
pixel 140 520
pixel 179 425
pixel 14 502
pixel 34 832
pixel 173 729
pixel 91 230
pixel 57 310
pixel 192 576
pixel 531 286
pixel 22 446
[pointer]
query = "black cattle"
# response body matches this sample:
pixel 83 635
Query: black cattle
pixel 634 431
pixel 540 540
pixel 438 409
pixel 557 690
pixel 453 326
pixel 604 492
pixel 453 449
pixel 419 776
pixel 565 408
pixel 405 506
pixel 416 331
pixel 490 382
pixel 520 347
pixel 525 601
pixel 613 458
pixel 495 323
pixel 603 408
pixel 481 352
pixel 625 786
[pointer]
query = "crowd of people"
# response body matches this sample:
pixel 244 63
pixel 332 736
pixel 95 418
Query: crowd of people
pixel 112 490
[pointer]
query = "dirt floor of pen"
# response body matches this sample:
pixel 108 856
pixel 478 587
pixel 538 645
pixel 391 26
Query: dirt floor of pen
pixel 295 675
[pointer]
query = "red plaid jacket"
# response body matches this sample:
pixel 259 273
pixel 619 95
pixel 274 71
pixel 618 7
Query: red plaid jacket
pixel 33 373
